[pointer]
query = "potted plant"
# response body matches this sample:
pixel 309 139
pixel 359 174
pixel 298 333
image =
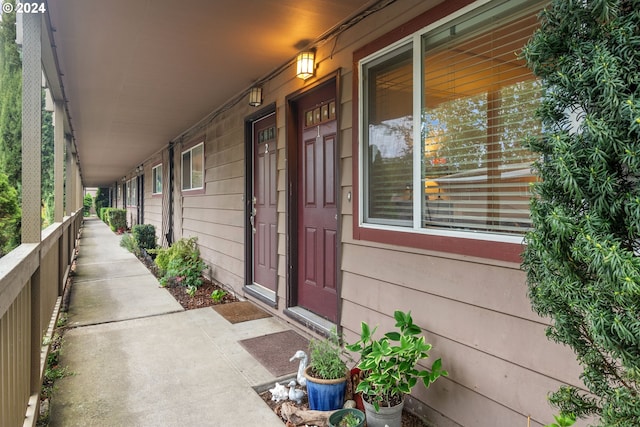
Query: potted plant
pixel 347 417
pixel 390 369
pixel 326 374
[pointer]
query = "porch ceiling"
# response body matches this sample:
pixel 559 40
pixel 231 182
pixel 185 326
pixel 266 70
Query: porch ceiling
pixel 136 74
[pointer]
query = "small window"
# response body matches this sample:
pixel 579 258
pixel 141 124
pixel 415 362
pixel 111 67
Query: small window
pixel 193 168
pixel 127 195
pixel 156 177
pixel 132 195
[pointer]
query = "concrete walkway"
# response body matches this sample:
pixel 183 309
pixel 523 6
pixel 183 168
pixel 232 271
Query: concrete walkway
pixel 138 359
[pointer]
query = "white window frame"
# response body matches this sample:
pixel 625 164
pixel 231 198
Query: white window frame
pixel 416 40
pixel 156 171
pixel 132 192
pixel 182 168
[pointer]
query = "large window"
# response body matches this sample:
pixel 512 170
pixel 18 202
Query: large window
pixel 462 91
pixel 192 167
pixel 156 177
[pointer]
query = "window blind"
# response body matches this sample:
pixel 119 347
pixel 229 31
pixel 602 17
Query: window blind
pixel 479 102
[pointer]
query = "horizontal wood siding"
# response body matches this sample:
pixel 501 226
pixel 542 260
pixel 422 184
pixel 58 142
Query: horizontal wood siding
pixel 216 217
pixel 153 202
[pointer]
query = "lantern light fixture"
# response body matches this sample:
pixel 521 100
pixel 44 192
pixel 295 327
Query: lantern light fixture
pixel 255 96
pixel 305 64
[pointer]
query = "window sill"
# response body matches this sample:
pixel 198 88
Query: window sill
pixel 194 192
pixel 481 245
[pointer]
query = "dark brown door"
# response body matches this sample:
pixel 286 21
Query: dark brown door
pixel 317 204
pixel 265 235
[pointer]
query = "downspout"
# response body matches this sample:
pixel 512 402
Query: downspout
pixel 169 235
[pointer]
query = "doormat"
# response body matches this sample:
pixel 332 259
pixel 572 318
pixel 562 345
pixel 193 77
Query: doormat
pixel 273 351
pixel 241 311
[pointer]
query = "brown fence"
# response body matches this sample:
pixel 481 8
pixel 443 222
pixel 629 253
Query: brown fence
pixel 32 279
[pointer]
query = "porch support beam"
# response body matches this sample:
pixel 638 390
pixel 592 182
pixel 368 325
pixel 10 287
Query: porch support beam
pixel 31 127
pixel 70 177
pixel 58 162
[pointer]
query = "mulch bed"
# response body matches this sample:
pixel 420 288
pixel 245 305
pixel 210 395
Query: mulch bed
pixel 202 297
pixel 408 419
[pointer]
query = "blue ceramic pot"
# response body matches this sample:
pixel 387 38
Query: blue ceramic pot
pixel 325 395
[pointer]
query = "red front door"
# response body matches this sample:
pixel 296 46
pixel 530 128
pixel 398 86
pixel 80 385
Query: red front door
pixel 317 239
pixel 265 231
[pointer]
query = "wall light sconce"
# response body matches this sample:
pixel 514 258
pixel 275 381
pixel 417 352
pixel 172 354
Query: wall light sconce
pixel 255 96
pixel 305 64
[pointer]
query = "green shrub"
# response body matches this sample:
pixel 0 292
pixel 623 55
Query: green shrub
pixel 102 213
pixel 582 257
pixel 117 219
pixel 87 203
pixel 130 244
pixel 181 262
pixel 145 236
pixel 9 216
pixel 101 200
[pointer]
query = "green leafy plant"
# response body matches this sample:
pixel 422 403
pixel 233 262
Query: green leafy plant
pixel 181 263
pixel 349 420
pixel 217 295
pixel 145 236
pixel 326 358
pixel 191 291
pixel 563 420
pixel 390 363
pixel 582 255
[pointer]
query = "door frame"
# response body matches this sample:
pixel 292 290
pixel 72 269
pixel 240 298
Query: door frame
pixel 292 173
pixel 248 196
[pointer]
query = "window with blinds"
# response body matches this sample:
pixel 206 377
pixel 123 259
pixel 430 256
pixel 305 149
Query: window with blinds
pixel 477 103
pixel 389 119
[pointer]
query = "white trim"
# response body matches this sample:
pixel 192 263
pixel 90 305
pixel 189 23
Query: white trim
pixel 190 150
pixel 154 173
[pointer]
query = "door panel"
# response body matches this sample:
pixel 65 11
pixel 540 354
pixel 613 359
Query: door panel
pixel 317 205
pixel 265 236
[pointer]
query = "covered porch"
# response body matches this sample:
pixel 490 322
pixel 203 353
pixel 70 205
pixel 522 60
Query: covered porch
pixel 124 80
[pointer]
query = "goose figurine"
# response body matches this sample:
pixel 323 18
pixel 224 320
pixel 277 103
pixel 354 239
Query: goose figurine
pixel 295 394
pixel 301 367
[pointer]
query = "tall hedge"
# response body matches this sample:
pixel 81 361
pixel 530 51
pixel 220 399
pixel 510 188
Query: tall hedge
pixel 581 258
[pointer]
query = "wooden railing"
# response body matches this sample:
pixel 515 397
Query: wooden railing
pixel 32 279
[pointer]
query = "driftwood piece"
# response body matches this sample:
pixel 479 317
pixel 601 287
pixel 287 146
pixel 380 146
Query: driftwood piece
pixel 300 417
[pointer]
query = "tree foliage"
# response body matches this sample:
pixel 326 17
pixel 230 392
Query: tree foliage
pixel 582 256
pixel 10 101
pixel 9 215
